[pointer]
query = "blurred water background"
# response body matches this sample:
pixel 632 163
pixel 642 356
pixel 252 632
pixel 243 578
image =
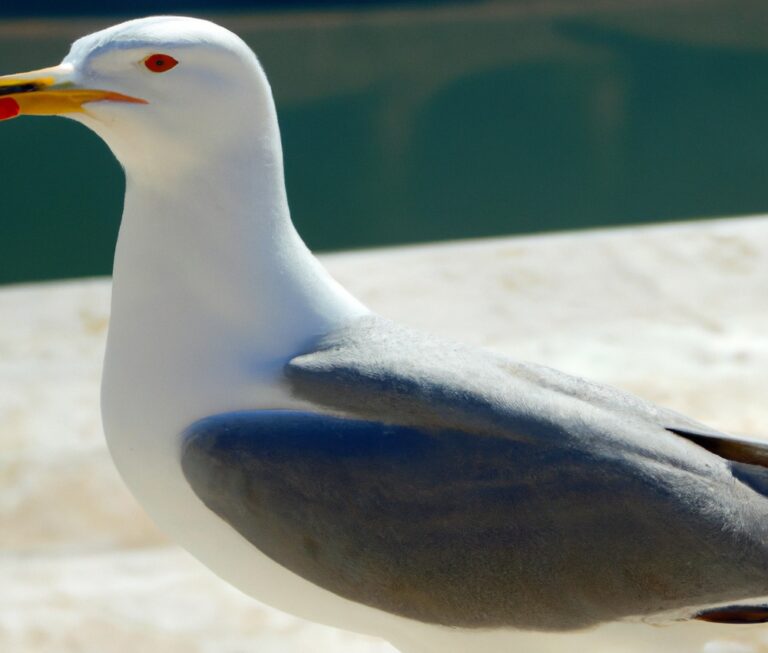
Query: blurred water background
pixel 411 122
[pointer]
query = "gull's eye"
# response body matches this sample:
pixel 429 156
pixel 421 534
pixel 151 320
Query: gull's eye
pixel 159 63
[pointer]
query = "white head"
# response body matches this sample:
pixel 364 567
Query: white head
pixel 186 108
pixel 161 91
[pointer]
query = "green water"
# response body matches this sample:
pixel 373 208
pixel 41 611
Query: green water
pixel 429 124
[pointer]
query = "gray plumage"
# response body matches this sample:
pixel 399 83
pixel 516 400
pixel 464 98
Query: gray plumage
pixel 454 486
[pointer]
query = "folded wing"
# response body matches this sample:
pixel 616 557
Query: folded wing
pixel 451 486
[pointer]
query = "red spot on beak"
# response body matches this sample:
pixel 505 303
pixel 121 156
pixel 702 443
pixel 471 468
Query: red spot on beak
pixel 9 108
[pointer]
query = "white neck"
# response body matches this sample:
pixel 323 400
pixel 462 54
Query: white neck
pixel 213 288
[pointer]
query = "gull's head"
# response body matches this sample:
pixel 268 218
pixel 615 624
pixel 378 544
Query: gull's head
pixel 151 87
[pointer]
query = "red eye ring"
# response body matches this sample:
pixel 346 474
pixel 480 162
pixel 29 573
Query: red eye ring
pixel 159 63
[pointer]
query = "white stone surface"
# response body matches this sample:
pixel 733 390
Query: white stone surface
pixel 676 313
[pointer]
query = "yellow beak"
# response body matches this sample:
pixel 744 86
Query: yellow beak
pixel 49 92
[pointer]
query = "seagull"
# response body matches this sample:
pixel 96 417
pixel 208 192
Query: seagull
pixel 347 469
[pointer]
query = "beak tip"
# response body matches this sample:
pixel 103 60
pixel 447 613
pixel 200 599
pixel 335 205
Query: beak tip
pixel 9 108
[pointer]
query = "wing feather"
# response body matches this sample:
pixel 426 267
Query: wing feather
pixel 476 531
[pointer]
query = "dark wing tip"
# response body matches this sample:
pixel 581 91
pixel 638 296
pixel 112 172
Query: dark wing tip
pixel 740 450
pixel 735 614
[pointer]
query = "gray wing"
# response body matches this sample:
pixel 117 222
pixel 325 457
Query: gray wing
pixel 455 487
pixel 376 369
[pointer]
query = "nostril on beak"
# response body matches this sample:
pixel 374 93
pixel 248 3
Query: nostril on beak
pixel 19 88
